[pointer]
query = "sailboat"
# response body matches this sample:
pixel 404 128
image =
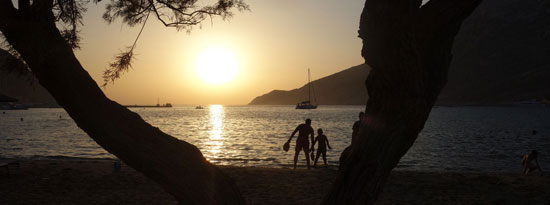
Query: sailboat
pixel 307 104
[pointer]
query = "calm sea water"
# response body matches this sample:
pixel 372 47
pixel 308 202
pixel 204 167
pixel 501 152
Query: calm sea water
pixel 476 139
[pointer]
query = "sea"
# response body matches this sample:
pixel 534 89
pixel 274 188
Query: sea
pixel 455 139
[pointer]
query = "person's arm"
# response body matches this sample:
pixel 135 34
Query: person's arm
pixel 316 139
pixel 328 144
pixel 293 133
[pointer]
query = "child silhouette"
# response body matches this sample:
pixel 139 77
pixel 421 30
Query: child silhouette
pixel 321 147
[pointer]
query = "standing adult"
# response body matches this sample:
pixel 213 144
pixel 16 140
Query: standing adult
pixel 355 128
pixel 302 143
pixel 354 140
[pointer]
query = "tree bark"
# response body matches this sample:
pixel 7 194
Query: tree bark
pixel 176 165
pixel 408 47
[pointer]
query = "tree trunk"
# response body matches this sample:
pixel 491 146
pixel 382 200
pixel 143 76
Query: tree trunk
pixel 409 50
pixel 176 165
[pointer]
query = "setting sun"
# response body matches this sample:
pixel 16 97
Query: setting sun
pixel 216 65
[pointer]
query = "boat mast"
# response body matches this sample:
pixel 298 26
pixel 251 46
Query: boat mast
pixel 309 87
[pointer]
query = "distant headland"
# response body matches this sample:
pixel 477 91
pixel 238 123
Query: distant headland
pixel 500 56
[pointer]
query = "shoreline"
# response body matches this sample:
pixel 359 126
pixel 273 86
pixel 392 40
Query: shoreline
pixel 507 104
pixel 94 181
pixel 301 165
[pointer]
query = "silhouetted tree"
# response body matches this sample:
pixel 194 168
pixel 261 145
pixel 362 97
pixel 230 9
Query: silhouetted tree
pixel 408 47
pixel 31 31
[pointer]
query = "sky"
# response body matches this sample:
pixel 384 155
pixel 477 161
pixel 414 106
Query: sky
pixel 272 45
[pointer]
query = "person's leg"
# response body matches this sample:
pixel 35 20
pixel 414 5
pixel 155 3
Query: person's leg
pixel 533 168
pixel 306 150
pixel 316 158
pixel 325 157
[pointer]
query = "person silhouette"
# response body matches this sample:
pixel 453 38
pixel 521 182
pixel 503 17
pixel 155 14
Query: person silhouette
pixel 531 162
pixel 321 147
pixel 302 143
pixel 355 128
pixel 354 138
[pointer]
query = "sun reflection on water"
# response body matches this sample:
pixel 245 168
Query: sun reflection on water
pixel 215 133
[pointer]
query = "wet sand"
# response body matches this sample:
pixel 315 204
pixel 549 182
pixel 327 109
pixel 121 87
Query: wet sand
pixel 94 182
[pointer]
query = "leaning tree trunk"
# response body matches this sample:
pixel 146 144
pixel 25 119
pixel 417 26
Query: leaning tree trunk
pixel 176 165
pixel 409 50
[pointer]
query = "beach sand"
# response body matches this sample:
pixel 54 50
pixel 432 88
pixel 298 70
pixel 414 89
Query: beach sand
pixel 94 182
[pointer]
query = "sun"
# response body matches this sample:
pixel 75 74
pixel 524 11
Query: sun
pixel 216 65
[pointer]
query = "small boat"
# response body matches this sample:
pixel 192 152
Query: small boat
pixel 307 104
pixel 9 103
pixel 13 107
pixel 199 107
pixel 167 105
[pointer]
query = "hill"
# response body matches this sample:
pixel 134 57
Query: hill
pixel 19 83
pixel 343 88
pixel 500 56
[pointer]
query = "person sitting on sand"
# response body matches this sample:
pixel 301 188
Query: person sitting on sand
pixel 322 147
pixel 531 162
pixel 302 142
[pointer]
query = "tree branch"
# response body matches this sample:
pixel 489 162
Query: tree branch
pixel 409 50
pixel 442 12
pixel 24 5
pixel 43 7
pixel 384 7
pixel 142 11
pixel 177 165
pixel 158 14
pixel 12 63
pixel 123 61
pixel 180 10
pixel 6 10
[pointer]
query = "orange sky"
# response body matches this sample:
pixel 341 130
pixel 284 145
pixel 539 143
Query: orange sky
pixel 273 44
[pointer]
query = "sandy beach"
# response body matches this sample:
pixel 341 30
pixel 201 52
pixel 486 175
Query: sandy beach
pixel 95 182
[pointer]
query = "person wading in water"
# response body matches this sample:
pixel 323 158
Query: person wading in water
pixel 302 143
pixel 531 162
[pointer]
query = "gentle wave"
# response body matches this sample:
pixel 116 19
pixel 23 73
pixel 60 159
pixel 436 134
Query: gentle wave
pixel 474 139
